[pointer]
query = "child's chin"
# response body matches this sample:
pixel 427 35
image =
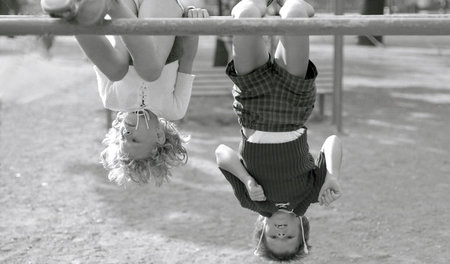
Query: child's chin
pixel 130 119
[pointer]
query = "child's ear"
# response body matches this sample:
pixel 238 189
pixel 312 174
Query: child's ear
pixel 161 136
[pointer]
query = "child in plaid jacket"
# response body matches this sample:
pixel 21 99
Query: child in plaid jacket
pixel 274 173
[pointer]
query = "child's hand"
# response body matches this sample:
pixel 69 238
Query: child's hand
pixel 255 190
pixel 330 191
pixel 193 12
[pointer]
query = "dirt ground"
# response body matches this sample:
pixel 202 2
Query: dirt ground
pixel 56 205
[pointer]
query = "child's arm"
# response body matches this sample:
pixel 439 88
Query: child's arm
pixel 331 189
pixel 179 100
pixel 190 46
pixel 229 160
pixel 190 43
pixel 183 86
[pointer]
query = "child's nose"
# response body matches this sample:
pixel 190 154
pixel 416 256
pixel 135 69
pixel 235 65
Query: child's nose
pixel 281 234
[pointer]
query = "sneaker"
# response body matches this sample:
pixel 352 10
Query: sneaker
pixel 92 12
pixel 66 9
pixel 84 12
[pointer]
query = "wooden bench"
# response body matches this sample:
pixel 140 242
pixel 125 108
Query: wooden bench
pixel 214 82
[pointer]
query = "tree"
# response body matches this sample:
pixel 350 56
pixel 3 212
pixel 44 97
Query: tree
pixel 9 7
pixel 372 7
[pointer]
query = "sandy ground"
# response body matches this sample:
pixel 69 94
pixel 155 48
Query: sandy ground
pixel 58 207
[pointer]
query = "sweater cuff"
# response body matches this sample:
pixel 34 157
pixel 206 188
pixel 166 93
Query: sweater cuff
pixel 185 80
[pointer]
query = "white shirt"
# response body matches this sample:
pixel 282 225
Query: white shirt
pixel 167 97
pixel 274 137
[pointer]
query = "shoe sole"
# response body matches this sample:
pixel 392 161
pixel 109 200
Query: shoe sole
pixel 66 11
pixel 85 15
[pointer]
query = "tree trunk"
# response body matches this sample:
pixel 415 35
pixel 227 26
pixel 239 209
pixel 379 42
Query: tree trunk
pixel 372 7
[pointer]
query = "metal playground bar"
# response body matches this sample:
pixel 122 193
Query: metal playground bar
pixel 319 25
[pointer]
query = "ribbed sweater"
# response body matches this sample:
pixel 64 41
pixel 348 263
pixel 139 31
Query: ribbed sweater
pixel 287 172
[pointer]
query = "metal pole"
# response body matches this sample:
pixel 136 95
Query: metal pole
pixel 338 71
pixel 219 3
pixel 318 25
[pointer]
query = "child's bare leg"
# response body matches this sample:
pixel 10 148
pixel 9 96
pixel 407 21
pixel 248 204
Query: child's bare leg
pixel 331 190
pixel 112 60
pixel 249 52
pixel 149 53
pixel 292 52
pixel 332 149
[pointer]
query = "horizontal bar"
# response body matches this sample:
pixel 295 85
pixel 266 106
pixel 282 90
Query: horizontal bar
pixel 319 25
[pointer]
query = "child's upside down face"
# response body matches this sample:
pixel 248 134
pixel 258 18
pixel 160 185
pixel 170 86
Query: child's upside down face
pixel 140 133
pixel 282 232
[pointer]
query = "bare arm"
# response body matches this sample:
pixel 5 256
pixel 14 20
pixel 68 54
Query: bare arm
pixel 190 43
pixel 190 46
pixel 229 160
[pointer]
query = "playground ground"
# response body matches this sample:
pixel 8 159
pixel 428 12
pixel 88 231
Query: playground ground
pixel 56 205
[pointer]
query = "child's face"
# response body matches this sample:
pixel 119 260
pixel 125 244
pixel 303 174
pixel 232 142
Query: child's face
pixel 140 132
pixel 282 232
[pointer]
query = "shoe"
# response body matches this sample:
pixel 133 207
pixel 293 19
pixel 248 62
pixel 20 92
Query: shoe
pixel 92 12
pixel 309 8
pixel 83 12
pixel 66 9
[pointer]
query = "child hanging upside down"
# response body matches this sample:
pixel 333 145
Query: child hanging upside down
pixel 146 79
pixel 274 173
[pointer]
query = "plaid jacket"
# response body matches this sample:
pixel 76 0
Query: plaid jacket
pixel 271 99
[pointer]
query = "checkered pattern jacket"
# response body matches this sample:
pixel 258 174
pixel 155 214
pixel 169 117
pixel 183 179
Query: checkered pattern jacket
pixel 271 99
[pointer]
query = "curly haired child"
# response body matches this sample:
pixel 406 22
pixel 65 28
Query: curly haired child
pixel 146 79
pixel 274 173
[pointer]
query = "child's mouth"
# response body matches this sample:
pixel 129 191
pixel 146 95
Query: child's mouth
pixel 129 125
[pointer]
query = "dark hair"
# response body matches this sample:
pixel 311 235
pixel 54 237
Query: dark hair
pixel 264 251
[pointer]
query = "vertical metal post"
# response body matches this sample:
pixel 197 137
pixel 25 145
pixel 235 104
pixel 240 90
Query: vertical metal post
pixel 109 118
pixel 338 71
pixel 219 4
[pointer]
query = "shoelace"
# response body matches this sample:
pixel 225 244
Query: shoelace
pixel 146 115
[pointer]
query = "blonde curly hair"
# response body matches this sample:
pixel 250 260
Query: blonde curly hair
pixel 156 168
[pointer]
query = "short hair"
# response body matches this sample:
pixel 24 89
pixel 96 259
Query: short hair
pixel 264 251
pixel 154 169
